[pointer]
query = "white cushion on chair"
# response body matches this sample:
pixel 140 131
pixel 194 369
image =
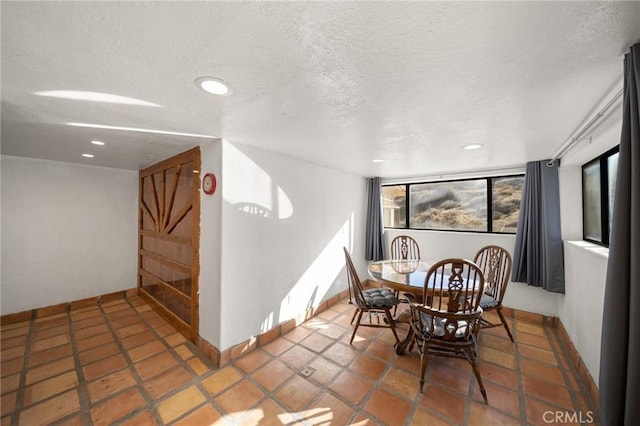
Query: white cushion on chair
pixel 439 326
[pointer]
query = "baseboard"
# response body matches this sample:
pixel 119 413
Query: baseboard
pixel 227 355
pixel 573 354
pixel 65 307
pixel 224 357
pixel 581 367
pixel 531 317
pixel 219 358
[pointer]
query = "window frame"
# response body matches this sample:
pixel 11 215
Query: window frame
pixel 602 161
pixel 489 185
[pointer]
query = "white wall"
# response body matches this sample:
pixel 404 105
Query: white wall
pixel 437 245
pixel 585 264
pixel 68 232
pixel 582 307
pixel 210 239
pixel 284 223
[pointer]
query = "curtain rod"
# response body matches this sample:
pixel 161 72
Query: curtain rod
pixel 573 140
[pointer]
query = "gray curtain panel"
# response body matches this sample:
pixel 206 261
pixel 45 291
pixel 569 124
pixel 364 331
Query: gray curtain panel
pixel 620 349
pixel 538 258
pixel 374 248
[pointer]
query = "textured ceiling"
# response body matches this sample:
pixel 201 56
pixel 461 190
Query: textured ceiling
pixel 334 83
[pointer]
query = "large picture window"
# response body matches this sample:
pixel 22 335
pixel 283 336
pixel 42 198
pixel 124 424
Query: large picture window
pixel 598 191
pixel 477 205
pixel 457 205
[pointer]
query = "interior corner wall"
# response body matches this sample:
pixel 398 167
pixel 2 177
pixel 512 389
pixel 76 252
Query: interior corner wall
pixel 68 232
pixel 437 245
pixel 210 240
pixel 284 223
pixel 585 263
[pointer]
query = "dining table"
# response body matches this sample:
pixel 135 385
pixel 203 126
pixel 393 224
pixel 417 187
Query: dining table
pixel 409 276
pixel 405 276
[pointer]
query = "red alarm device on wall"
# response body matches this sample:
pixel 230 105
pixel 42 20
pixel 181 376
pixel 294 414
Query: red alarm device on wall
pixel 209 183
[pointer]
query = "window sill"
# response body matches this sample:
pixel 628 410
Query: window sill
pixel 590 247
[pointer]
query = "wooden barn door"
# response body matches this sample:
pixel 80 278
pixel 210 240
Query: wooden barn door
pixel 169 238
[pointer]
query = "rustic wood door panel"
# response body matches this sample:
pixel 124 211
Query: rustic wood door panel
pixel 168 241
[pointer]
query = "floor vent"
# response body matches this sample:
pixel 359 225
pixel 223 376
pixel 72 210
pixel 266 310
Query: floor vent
pixel 307 371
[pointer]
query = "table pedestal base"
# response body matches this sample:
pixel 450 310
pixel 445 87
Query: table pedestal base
pixel 404 317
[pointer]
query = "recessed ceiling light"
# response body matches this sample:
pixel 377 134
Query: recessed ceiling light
pixel 87 155
pixel 97 142
pixel 377 160
pixel 473 146
pixel 213 85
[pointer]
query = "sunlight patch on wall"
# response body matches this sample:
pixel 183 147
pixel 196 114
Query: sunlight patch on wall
pixel 267 324
pixel 108 98
pixel 314 283
pixel 250 189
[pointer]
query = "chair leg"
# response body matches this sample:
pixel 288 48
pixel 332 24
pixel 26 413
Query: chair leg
pixel 423 364
pixel 360 311
pixel 504 322
pixel 396 293
pixel 392 324
pixel 476 371
pixel 354 315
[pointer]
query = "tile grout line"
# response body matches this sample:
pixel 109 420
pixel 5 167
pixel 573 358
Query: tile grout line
pixel 22 387
pixel 559 367
pixel 469 397
pixel 86 409
pixel 359 408
pixel 552 343
pixel 83 393
pixel 377 384
pixel 170 343
pixel 559 348
pixel 194 381
pixel 324 388
pixel 522 400
pixel 148 406
pixel 151 402
pixel 267 394
pixel 417 401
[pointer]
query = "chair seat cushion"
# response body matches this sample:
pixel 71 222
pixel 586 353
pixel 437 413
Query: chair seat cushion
pixel 439 325
pixel 379 298
pixel 488 302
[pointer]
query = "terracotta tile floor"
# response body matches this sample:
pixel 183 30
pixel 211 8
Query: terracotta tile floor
pixel 122 363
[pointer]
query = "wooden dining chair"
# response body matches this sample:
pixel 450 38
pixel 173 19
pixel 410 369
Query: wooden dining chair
pixel 495 263
pixel 403 247
pixel 373 301
pixel 447 320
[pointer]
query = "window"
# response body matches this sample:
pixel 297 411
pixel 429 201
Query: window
pixel 457 205
pixel 477 205
pixel 598 191
pixel 394 200
pixel 505 203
